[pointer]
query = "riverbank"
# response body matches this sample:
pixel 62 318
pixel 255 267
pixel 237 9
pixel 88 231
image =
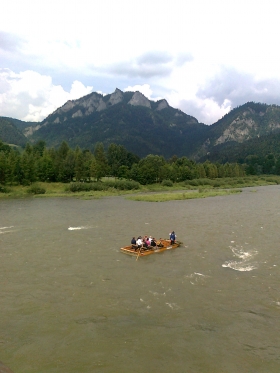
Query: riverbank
pixel 189 189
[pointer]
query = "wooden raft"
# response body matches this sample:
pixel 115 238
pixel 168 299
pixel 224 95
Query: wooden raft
pixel 155 250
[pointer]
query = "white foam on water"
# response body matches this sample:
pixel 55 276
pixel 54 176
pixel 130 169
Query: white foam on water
pixel 197 278
pixel 156 294
pixel 4 229
pixel 76 228
pixel 239 266
pixel 5 232
pixel 195 274
pixel 147 305
pixel 173 306
pixel 240 253
pixel 245 264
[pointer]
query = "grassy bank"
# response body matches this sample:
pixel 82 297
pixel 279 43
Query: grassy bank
pixel 163 197
pixel 198 188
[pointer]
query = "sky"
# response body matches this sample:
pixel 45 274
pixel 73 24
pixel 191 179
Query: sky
pixel 205 57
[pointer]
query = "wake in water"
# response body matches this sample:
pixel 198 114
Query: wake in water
pixel 4 229
pixel 243 265
pixel 197 278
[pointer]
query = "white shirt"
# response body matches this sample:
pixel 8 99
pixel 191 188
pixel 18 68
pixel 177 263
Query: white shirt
pixel 139 242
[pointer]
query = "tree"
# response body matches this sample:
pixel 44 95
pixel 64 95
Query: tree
pixel 210 170
pixel 3 167
pixel 63 150
pixel 27 164
pixel 14 171
pixel 149 169
pixel 39 148
pixel 46 167
pixel 268 164
pixel 99 165
pixel 96 170
pixel 117 156
pixel 201 171
pixel 65 163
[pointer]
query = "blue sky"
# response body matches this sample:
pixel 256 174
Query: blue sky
pixel 204 56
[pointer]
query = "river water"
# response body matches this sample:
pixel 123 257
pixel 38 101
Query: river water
pixel 72 302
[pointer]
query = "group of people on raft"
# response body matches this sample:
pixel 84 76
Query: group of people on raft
pixel 150 243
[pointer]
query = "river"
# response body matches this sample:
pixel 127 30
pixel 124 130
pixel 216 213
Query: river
pixel 72 302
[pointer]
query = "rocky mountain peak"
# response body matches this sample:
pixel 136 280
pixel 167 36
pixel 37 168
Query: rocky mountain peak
pixel 116 97
pixel 138 99
pixel 162 104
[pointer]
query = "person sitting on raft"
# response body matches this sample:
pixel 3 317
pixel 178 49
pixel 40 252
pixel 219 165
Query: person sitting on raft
pixel 133 243
pixel 153 243
pixel 159 243
pixel 148 242
pixel 139 242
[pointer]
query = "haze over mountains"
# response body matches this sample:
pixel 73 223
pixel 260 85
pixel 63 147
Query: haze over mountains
pixel 147 127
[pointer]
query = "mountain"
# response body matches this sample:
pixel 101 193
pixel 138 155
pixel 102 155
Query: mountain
pixel 142 126
pixel 10 133
pixel 147 127
pixel 238 152
pixel 243 126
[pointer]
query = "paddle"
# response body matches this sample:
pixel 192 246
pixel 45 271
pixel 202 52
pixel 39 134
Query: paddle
pixel 138 253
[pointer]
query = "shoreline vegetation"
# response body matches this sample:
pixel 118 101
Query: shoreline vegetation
pixel 165 191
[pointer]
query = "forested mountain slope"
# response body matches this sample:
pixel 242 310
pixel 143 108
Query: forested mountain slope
pixel 9 132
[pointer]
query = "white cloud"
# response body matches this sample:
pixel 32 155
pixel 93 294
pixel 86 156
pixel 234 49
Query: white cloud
pixel 31 96
pixel 145 89
pixel 196 54
pixel 78 90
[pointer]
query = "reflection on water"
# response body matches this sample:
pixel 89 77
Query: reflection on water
pixel 71 301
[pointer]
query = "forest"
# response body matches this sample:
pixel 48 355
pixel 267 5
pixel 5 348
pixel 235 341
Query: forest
pixel 39 163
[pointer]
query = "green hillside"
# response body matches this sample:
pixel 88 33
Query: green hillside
pixel 235 152
pixel 10 134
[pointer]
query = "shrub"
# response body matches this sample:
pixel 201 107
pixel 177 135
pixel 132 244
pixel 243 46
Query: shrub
pixel 167 183
pixel 101 186
pixel 36 189
pixel 4 189
pixel 86 187
pixel 218 184
pixel 122 184
pixel 204 181
pixel 192 182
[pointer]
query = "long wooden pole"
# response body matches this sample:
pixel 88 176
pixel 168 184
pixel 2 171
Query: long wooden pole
pixel 138 253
